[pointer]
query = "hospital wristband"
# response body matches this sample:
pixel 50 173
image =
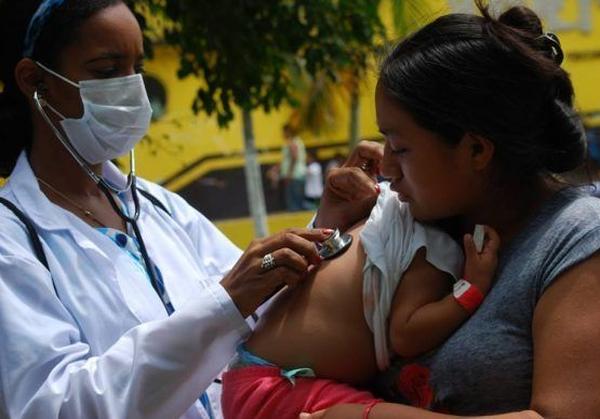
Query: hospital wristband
pixel 467 295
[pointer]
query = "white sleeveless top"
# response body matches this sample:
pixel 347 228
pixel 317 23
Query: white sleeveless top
pixel 391 238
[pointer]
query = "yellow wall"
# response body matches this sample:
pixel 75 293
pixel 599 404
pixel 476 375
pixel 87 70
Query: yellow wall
pixel 577 22
pixel 241 231
pixel 181 137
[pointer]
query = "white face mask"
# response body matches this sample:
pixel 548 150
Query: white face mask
pixel 116 115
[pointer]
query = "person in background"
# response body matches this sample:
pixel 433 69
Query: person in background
pixel 292 170
pixel 117 298
pixel 313 187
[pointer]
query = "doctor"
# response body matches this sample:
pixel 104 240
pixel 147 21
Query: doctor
pixel 144 300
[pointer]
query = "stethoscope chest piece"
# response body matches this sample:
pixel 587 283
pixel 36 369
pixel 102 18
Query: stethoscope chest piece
pixel 335 245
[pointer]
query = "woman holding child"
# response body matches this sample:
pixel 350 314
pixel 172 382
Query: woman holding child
pixel 478 119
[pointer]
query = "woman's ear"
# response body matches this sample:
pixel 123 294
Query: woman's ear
pixel 481 150
pixel 28 76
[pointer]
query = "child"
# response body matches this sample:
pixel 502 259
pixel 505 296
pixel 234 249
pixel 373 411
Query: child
pixel 341 324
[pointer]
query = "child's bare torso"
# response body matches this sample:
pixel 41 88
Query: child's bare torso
pixel 320 324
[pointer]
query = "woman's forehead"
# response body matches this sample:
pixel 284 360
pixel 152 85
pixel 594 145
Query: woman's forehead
pixel 390 113
pixel 111 33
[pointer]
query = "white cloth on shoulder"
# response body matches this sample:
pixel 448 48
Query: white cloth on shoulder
pixel 390 238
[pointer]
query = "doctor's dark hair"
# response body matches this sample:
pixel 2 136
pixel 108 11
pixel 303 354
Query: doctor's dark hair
pixel 497 78
pixel 60 30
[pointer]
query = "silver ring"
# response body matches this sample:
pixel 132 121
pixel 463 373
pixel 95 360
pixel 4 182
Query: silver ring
pixel 268 262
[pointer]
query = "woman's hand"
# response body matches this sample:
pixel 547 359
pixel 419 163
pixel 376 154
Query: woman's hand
pixel 345 411
pixel 351 190
pixel 254 279
pixel 391 411
pixel 480 267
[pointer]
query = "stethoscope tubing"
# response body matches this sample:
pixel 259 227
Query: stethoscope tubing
pixel 39 104
pixel 109 189
pixel 133 222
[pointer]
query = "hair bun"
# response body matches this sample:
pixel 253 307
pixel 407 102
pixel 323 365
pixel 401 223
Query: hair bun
pixel 564 139
pixel 522 18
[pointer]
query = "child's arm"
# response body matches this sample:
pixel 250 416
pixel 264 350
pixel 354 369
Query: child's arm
pixel 424 311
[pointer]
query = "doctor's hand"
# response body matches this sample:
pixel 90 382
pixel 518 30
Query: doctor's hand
pixel 270 263
pixel 351 190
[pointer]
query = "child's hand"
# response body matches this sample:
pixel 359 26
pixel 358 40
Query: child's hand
pixel 481 267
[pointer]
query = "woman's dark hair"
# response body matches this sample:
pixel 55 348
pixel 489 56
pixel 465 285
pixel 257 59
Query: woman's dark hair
pixel 498 78
pixel 59 31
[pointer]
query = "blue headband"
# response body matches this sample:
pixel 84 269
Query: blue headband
pixel 37 23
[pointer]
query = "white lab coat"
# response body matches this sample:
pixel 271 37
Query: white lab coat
pixel 105 347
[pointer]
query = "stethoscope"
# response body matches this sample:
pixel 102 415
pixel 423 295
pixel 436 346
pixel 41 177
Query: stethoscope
pixel 332 247
pixel 109 190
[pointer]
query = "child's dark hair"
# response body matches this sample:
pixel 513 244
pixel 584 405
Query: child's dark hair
pixel 60 30
pixel 498 78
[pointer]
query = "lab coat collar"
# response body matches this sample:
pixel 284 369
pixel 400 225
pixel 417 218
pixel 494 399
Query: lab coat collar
pixel 32 201
pixel 47 216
